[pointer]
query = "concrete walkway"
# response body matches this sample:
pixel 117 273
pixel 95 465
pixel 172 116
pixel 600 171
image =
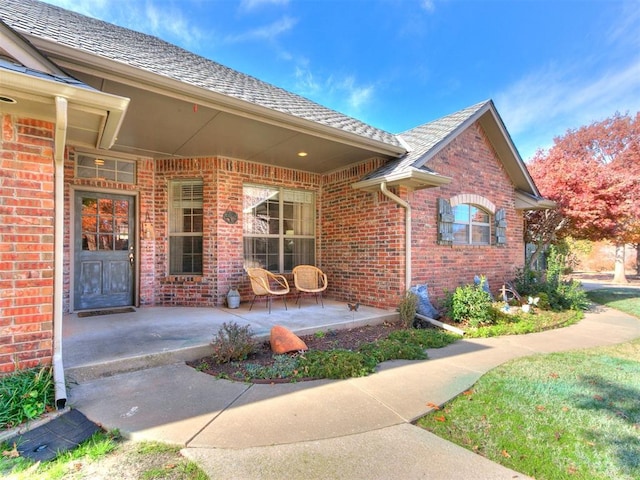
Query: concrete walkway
pixel 351 429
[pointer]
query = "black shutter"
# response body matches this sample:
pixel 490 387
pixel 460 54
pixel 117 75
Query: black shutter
pixel 501 227
pixel 445 222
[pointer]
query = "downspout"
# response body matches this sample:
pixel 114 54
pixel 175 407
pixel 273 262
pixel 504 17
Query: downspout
pixel 407 207
pixel 58 262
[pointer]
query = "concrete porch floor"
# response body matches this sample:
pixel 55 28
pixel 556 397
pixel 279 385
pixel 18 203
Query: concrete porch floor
pixel 105 345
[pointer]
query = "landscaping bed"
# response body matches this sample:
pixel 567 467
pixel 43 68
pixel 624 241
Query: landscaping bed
pixel 262 365
pixel 348 339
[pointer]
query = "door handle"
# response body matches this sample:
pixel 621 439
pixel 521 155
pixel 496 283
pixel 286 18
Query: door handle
pixel 132 257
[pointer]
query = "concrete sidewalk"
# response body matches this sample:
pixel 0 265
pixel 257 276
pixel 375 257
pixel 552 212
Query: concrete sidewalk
pixel 356 428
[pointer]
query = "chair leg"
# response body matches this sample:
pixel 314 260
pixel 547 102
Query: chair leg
pixel 284 299
pixel 298 299
pixel 321 302
pixel 254 299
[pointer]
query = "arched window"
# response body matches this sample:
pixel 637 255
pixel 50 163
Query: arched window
pixel 471 225
pixel 470 219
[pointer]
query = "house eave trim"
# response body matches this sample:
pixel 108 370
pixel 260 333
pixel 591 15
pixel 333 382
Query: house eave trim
pixel 525 201
pixel 413 179
pixel 115 107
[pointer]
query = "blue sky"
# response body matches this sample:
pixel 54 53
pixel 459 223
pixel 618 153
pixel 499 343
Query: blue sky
pixel 549 65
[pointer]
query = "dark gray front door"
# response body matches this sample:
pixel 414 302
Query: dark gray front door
pixel 104 253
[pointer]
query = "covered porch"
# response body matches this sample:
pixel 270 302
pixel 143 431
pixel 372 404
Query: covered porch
pixel 104 345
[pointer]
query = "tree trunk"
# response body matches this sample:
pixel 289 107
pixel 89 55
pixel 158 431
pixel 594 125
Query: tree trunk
pixel 637 245
pixel 619 275
pixel 534 256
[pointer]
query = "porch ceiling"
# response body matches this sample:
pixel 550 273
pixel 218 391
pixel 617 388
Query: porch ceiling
pixel 159 125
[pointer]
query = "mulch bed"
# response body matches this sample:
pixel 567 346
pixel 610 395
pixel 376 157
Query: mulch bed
pixel 349 339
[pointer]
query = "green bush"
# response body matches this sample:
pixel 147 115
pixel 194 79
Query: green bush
pixel 424 338
pixel 472 304
pixel 284 366
pixel 390 349
pixel 337 364
pixel 232 342
pixel 554 293
pixel 25 395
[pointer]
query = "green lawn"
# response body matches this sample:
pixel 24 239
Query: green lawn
pixel 620 298
pixel 567 415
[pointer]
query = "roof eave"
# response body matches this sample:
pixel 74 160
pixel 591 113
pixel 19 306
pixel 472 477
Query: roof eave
pixel 413 179
pixel 504 146
pixel 525 201
pixel 111 107
pixel 89 63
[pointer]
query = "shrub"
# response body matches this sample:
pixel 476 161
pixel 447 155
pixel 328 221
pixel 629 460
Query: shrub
pixel 407 308
pixel 284 366
pixel 232 342
pixel 336 364
pixel 528 282
pixel 554 293
pixel 471 303
pixel 391 349
pixel 425 338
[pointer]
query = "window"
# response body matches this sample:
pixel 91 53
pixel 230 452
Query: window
pixel 185 228
pixel 278 228
pixel 105 223
pixel 471 225
pixel 113 169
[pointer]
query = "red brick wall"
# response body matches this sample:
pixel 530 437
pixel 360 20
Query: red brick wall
pixel 26 243
pixel 184 290
pixel 472 164
pixel 231 176
pixel 362 240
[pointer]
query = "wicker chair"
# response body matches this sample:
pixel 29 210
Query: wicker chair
pixel 267 284
pixel 309 279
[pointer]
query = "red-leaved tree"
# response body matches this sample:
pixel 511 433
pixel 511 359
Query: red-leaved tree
pixel 593 174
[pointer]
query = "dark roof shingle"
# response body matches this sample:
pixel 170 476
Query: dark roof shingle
pixel 425 139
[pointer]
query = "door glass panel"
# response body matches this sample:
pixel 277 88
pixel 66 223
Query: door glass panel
pixel 105 224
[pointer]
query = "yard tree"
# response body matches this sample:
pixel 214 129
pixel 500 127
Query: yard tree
pixel 543 228
pixel 593 174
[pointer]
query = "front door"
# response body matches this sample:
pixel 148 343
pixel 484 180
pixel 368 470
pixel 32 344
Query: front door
pixel 104 250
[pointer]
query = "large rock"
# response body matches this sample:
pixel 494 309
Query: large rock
pixel 284 340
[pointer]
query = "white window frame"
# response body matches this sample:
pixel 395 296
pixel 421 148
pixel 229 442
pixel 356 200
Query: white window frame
pixel 176 231
pixel 289 229
pixel 470 223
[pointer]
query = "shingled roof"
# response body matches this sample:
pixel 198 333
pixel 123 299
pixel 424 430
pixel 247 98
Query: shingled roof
pixel 154 55
pixel 424 141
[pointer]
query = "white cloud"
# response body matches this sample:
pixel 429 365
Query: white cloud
pixel 249 5
pixel 268 32
pixel 161 19
pixel 550 100
pixel 428 5
pixel 342 93
pixel 547 103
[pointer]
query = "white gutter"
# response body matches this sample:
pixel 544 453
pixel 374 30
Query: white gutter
pixel 58 271
pixel 407 207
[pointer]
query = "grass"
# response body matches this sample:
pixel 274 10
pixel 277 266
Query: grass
pixel 565 415
pixel 620 298
pixel 25 395
pixel 105 456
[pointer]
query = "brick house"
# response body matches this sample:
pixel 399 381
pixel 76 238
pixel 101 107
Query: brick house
pixel 135 173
